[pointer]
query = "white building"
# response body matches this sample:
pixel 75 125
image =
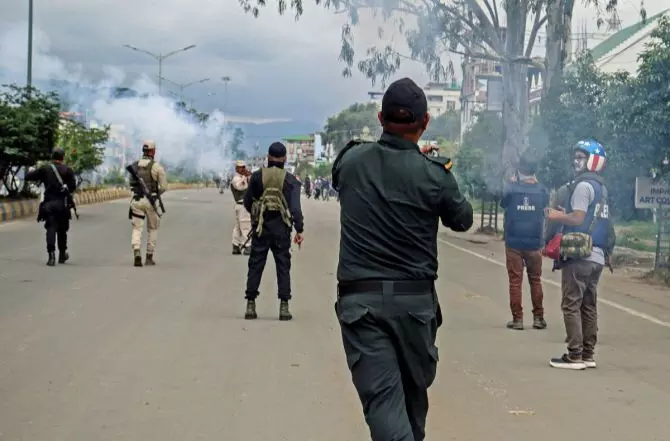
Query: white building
pixel 441 97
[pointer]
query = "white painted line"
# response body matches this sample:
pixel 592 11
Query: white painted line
pixel 610 303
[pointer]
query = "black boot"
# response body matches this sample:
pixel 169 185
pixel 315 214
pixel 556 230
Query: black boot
pixel 63 256
pixel 138 257
pixel 52 258
pixel 246 251
pixel 284 313
pixel 250 314
pixel 149 261
pixel 236 249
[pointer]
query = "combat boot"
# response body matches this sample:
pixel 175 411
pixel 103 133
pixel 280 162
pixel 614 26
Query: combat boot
pixel 284 313
pixel 236 250
pixel 52 259
pixel 149 261
pixel 63 256
pixel 246 251
pixel 138 257
pixel 250 314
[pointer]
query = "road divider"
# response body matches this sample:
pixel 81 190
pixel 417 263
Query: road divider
pixel 11 210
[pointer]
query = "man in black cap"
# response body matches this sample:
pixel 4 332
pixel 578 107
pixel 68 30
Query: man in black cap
pixel 59 184
pixel 392 197
pixel 273 199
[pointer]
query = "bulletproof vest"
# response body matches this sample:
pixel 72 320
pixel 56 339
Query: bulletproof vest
pixel 524 215
pixel 597 218
pixel 272 199
pixel 238 195
pixel 144 172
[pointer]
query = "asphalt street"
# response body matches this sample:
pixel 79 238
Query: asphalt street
pixel 96 349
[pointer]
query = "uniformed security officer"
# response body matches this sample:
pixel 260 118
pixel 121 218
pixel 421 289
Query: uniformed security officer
pixel 154 176
pixel 238 187
pixel 273 199
pixel 392 197
pixel 59 181
pixel 524 201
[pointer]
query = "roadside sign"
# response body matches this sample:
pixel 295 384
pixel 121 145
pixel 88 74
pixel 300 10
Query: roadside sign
pixel 651 194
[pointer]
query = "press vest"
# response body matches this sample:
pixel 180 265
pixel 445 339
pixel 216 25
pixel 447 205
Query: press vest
pixel 599 233
pixel 524 216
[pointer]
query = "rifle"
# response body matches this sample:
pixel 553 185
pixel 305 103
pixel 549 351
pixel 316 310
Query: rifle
pixel 69 199
pixel 145 190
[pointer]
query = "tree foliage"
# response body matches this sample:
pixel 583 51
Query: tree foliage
pixel 446 126
pixel 350 123
pixel 28 125
pixel 235 145
pixel 84 147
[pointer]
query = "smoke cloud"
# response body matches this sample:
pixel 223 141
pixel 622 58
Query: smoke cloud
pixel 179 138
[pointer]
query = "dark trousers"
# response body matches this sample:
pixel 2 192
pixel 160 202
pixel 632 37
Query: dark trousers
pixel 276 238
pixel 389 342
pixel 532 260
pixel 57 224
pixel 579 283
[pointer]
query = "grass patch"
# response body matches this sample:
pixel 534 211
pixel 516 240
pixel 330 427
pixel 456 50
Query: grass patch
pixel 637 235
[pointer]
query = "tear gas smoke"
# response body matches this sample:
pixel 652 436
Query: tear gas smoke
pixel 180 140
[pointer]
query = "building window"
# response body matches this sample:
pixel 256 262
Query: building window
pixel 435 98
pixel 451 105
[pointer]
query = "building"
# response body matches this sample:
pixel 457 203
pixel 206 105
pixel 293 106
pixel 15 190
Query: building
pixel 300 148
pixel 621 50
pixel 474 96
pixel 441 97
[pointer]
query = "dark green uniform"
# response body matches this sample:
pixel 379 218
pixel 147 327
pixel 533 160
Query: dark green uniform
pixel 392 198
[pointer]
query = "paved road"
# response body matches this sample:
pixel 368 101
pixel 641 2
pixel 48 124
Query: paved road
pixel 99 350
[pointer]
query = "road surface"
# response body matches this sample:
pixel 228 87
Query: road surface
pixel 99 350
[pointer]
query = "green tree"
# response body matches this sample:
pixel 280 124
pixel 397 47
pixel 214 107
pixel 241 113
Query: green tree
pixel 446 126
pixel 28 124
pixel 349 124
pixel 477 162
pixel 235 145
pixel 84 147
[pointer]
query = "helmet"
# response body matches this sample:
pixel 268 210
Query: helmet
pixel 148 148
pixel 597 157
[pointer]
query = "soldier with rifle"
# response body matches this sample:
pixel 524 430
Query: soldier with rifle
pixel 148 182
pixel 59 183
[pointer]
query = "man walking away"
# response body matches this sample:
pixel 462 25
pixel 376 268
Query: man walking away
pixel 59 184
pixel 141 210
pixel 273 199
pixel 391 200
pixel 524 201
pixel 586 247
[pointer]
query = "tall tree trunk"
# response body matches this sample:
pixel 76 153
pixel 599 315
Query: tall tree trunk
pixel 515 89
pixel 559 25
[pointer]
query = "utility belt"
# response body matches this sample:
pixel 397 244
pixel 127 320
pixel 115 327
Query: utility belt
pixel 241 201
pixel 402 287
pixel 137 197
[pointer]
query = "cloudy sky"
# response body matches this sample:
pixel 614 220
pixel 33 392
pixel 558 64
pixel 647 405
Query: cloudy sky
pixel 280 68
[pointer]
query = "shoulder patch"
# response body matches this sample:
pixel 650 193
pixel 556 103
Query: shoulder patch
pixel 442 161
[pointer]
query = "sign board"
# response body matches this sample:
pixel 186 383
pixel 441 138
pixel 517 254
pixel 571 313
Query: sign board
pixel 650 194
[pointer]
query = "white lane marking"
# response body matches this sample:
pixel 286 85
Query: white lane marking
pixel 610 303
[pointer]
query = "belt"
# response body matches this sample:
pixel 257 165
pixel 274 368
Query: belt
pixel 377 287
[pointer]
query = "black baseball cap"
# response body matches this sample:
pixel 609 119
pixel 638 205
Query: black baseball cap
pixel 404 102
pixel 277 150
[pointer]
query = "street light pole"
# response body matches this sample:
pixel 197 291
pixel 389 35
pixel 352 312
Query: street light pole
pixel 159 58
pixel 225 80
pixel 183 86
pixel 30 44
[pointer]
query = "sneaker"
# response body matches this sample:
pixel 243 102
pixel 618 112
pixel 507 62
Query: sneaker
pixel 539 323
pixel 516 325
pixel 567 362
pixel 589 362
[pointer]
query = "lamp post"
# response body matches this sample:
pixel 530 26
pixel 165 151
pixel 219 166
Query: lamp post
pixel 29 79
pixel 225 80
pixel 181 87
pixel 160 58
